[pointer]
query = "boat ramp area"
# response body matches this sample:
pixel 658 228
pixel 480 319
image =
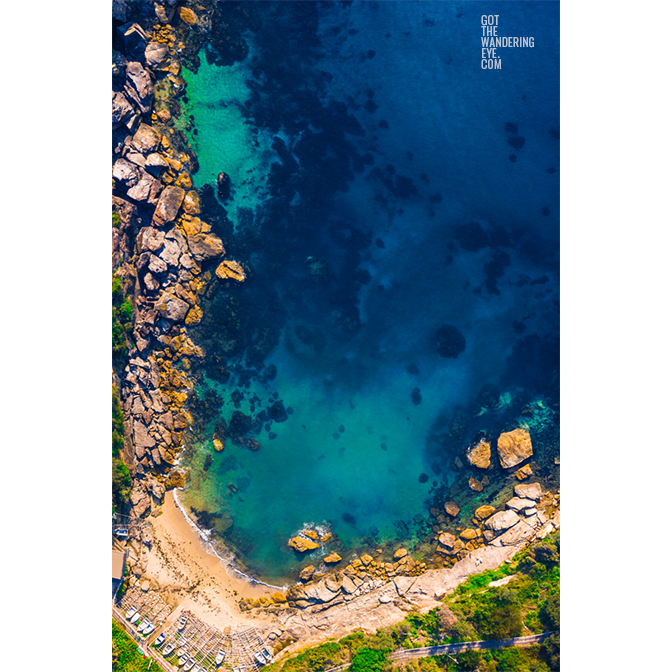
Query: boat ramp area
pixel 178 640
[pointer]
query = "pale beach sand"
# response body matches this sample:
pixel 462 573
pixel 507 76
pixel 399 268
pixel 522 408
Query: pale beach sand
pixel 195 578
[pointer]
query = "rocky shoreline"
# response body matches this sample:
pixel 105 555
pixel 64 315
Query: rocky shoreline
pixel 164 254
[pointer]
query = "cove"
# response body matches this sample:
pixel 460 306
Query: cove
pixel 383 187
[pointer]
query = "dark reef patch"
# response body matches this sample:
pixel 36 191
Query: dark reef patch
pixel 449 341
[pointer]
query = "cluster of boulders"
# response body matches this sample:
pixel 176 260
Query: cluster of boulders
pixel 360 576
pixel 309 540
pixel 159 247
pixel 517 522
pixel 512 448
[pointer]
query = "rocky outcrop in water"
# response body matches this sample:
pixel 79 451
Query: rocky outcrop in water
pixel 514 447
pixel 479 455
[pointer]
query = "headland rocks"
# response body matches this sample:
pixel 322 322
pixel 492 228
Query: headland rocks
pixel 162 249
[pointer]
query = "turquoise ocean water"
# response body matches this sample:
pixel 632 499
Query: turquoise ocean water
pixel 390 156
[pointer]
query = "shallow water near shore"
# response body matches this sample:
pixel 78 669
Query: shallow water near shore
pixel 370 214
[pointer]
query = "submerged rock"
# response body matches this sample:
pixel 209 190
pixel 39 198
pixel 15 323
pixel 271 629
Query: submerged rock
pixel 218 445
pixel 447 539
pixel 449 341
pixel 223 186
pixel 188 16
pixel 514 447
pixel 475 485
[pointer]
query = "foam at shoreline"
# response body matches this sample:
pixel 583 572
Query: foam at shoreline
pixel 204 537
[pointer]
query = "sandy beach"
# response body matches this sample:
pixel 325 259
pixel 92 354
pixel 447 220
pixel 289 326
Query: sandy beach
pixel 191 576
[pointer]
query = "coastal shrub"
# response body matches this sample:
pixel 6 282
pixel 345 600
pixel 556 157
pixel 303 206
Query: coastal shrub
pixel 547 554
pixel 117 424
pixel 550 651
pixel 318 658
pixel 517 659
pixel 122 320
pixel 549 613
pixel 368 660
pixel 121 481
pixel 116 219
pixel 125 654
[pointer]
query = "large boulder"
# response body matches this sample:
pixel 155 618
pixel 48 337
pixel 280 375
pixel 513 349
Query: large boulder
pixel 452 509
pixel 302 545
pixel 143 441
pixel 125 172
pixel 483 512
pixel 155 163
pixel 164 10
pixel 122 110
pixel 502 520
pixel 515 535
pixel 306 574
pixel 528 491
pixel 519 504
pixel 230 270
pixel 205 246
pixel 332 559
pixel 168 206
pixel 447 539
pixel 146 139
pixel 479 455
pixel 150 239
pixel 514 447
pixel 138 87
pixel 157 55
pixel 146 190
pixel 319 592
pixel 172 307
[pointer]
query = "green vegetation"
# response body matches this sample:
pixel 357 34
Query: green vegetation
pixel 528 603
pixel 116 219
pixel 121 478
pixel 122 320
pixel 125 654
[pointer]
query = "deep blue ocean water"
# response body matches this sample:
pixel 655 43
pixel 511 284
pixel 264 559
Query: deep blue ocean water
pixel 383 185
